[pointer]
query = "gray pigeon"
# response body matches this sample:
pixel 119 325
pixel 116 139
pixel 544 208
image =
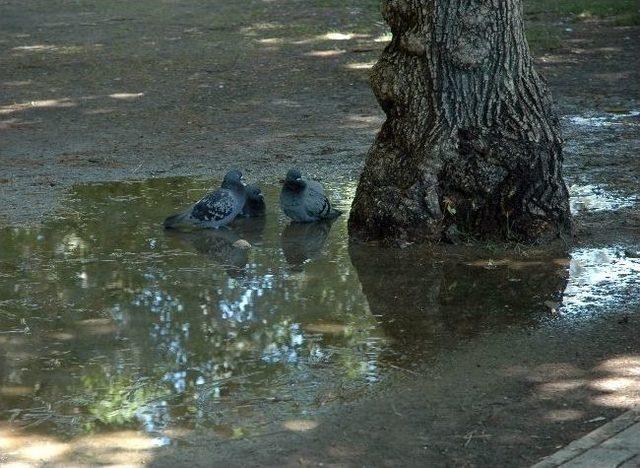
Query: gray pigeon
pixel 304 200
pixel 216 209
pixel 254 206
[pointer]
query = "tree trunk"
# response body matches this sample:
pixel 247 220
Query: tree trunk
pixel 471 144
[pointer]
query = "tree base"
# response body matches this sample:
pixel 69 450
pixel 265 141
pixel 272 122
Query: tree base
pixel 471 144
pixel 472 186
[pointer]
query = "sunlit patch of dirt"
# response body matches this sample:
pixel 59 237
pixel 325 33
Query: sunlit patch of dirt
pixel 118 448
pixel 611 383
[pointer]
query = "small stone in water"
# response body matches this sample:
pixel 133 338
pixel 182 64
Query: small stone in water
pixel 242 244
pixel 553 306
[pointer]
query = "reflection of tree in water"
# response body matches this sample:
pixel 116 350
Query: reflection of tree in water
pixel 131 327
pixel 427 302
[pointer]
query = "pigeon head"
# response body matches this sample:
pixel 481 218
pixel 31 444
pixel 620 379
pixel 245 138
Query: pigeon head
pixel 254 193
pixel 255 201
pixel 293 175
pixel 294 180
pixel 233 180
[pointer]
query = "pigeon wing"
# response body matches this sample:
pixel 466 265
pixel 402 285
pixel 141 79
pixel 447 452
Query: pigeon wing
pixel 315 186
pixel 316 203
pixel 215 206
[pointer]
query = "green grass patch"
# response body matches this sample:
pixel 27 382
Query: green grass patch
pixel 631 19
pixel 543 38
pixel 582 10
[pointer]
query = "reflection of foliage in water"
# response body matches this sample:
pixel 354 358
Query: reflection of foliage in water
pixel 130 326
pixel 120 400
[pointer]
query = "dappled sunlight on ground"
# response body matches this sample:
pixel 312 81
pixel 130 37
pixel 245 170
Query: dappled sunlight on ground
pixel 66 102
pixel 371 122
pixel 271 40
pixel 620 385
pixel 117 448
pixel 45 103
pixel 336 36
pixel 300 425
pixel 360 65
pixel 325 53
pixel 126 96
pixel 611 383
pixel 59 49
pixel 563 415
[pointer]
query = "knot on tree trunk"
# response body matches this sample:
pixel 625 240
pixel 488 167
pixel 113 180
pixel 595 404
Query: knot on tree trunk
pixel 400 14
pixel 474 36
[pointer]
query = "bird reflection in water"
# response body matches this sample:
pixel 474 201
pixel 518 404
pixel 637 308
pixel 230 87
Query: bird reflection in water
pixel 250 229
pixel 304 241
pixel 224 246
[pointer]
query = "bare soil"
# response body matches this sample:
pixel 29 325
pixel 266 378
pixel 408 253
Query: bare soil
pixel 94 91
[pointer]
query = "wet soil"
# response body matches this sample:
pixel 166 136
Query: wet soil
pixel 471 356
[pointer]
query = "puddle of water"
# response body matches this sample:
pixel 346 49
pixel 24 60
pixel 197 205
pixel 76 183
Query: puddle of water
pixel 108 321
pixel 599 277
pixel 602 148
pixel 606 120
pixel 593 198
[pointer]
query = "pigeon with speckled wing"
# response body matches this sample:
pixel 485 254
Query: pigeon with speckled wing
pixel 304 200
pixel 215 209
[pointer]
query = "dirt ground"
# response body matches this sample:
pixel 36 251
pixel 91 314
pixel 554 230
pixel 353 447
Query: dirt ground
pixel 119 90
pixel 95 91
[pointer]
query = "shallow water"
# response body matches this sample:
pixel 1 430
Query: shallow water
pixel 625 118
pixel 108 321
pixel 593 198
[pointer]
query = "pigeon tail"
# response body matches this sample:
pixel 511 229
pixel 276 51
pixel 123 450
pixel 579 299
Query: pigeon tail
pixel 177 220
pixel 333 214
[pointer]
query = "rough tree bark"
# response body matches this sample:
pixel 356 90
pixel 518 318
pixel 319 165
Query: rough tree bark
pixel 471 143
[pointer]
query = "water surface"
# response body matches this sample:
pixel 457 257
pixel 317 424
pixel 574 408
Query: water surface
pixel 108 321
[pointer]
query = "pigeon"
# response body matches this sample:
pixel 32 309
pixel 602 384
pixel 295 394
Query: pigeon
pixel 216 209
pixel 254 206
pixel 304 200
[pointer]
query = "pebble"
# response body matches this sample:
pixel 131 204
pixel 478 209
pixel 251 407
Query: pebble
pixel 242 244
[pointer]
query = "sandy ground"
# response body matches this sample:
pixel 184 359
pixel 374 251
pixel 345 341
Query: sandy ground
pixel 153 89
